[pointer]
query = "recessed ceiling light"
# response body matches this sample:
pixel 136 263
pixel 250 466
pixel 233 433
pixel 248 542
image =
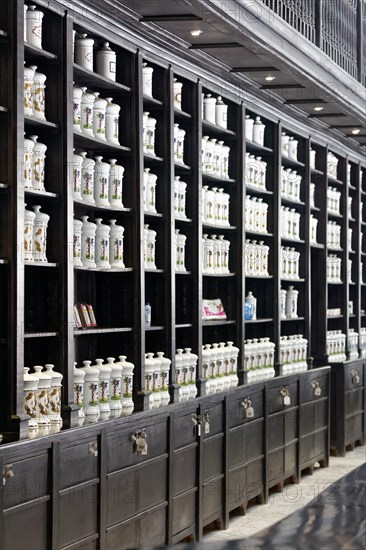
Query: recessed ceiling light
pixel 318 108
pixel 196 32
pixel 269 78
pixel 355 131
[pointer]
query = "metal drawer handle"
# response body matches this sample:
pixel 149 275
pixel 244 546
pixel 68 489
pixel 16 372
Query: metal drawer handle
pixel 285 392
pixel 196 420
pixel 247 405
pixel 139 440
pixel 355 376
pixel 316 386
pixel 93 449
pixel 8 472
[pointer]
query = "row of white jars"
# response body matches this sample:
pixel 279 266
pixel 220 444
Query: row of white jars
pixel 293 353
pixel 157 371
pixel 256 212
pixel 332 165
pixel 214 110
pixel 289 146
pixel 289 263
pixel 103 390
pixel 148 133
pixel 105 57
pixel 220 366
pixel 94 116
pixel 35 234
pixel 313 229
pixel 362 341
pixel 185 373
pixel 180 251
pixel 34 93
pixel 333 235
pixel 97 182
pixel 33 19
pixel 336 346
pixel 254 130
pixel 180 193
pixel 42 399
pixel 34 164
pixel 288 303
pixel 149 248
pixel 256 258
pixel 334 265
pixel 259 359
pixel 215 205
pixel 312 195
pixel 353 343
pixel 349 271
pixel 215 157
pixel 334 200
pixel 97 245
pixel 255 171
pixel 215 253
pixel 312 159
pixel 290 184
pixel 289 223
pixel 147 86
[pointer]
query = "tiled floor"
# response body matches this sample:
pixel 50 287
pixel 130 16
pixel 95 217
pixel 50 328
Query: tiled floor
pixel 294 497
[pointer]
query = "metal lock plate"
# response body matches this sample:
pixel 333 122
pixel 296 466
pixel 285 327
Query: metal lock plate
pixel 248 408
pixel 285 392
pixel 207 423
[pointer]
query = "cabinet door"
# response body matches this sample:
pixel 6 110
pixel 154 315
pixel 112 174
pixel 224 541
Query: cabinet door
pixel 79 463
pixel 27 527
pixel 25 480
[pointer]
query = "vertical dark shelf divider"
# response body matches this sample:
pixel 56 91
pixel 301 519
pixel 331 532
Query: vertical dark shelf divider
pixel 344 245
pixel 277 163
pixel 307 260
pixel 240 216
pixel 357 303
pixel 141 395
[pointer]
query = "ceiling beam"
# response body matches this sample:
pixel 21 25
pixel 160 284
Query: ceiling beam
pixel 303 101
pixel 210 45
pixel 281 86
pixel 167 18
pixel 254 69
pixel 327 115
pixel 340 126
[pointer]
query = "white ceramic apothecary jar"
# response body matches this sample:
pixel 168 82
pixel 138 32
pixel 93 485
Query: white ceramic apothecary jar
pixel 115 386
pixel 84 51
pixel 127 385
pixel 151 192
pixel 209 111
pixel 102 245
pixel 34 19
pixel 101 182
pixel 87 108
pixel 29 398
pixel 25 22
pixel 79 377
pixel 115 184
pixel 149 378
pixel 291 303
pixel 103 389
pixel 116 245
pixel 258 131
pixel 55 394
pixel 29 218
pixel 77 161
pixel 88 243
pixel 164 378
pixel 249 127
pixel 106 62
pixel 87 179
pixel 40 234
pixel 91 395
pixel 39 95
pixel 38 164
pixel 42 396
pixel 177 94
pixel 221 113
pixel 28 90
pixel 147 76
pixel 99 117
pixel 28 158
pixel 112 122
pixel 76 116
pixel 150 135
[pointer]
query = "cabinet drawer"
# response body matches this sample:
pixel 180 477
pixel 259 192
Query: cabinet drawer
pixel 245 443
pixel 291 425
pixel 122 450
pixel 237 487
pixel 276 465
pixel 353 376
pixel 216 419
pixel 290 460
pixel 185 431
pixel 135 490
pixel 236 410
pixel 275 398
pixel 276 431
pixel 354 428
pixel 212 499
pixel 148 531
pixel 29 480
pixel 184 511
pixel 354 401
pixel 312 447
pixel 185 470
pixel 26 528
pixel 79 464
pixel 78 513
pixel 309 383
pixel 313 416
pixel 213 458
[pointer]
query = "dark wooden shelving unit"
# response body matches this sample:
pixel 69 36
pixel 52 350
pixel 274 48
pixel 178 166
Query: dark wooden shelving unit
pixel 186 480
